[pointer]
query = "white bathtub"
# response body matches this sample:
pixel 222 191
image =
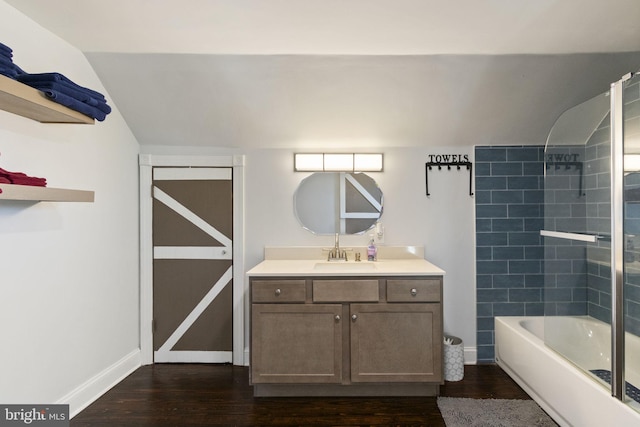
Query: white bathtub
pixel 570 396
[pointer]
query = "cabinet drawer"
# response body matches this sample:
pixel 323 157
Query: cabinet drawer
pixel 343 290
pixel 278 291
pixel 414 290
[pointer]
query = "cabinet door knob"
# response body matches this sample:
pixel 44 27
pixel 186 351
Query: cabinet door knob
pixel 354 317
pixel 337 317
pixel 414 292
pixel 278 292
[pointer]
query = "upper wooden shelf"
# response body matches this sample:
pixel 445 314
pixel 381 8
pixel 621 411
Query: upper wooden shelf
pixel 43 194
pixel 26 101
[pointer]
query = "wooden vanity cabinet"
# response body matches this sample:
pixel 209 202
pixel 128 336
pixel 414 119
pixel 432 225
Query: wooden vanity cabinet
pixel 346 336
pixel 296 343
pixel 396 343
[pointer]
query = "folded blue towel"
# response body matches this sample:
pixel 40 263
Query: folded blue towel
pixel 6 50
pixel 62 90
pixel 74 104
pixel 6 62
pixel 9 72
pixel 9 69
pixel 72 91
pixel 57 77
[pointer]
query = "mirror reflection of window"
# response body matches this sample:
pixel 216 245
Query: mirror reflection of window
pixel 345 203
pixel 360 203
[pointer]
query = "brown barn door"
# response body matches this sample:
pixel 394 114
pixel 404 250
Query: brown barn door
pixel 192 265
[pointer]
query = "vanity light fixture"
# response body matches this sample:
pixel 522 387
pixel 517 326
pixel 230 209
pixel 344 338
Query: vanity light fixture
pixel 338 162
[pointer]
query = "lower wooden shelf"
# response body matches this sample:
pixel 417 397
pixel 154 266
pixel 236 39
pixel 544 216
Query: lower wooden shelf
pixel 44 194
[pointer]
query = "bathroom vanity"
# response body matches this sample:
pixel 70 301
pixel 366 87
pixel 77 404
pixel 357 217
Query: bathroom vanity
pixel 346 328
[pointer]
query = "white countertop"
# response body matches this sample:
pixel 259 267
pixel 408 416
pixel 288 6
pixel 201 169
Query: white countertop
pixel 412 265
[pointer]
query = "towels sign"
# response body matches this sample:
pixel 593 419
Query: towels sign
pixel 449 160
pixel 443 159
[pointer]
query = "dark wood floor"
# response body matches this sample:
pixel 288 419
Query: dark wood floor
pixel 220 395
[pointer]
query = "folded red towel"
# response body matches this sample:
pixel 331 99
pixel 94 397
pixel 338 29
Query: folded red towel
pixel 34 182
pixel 4 180
pixel 21 178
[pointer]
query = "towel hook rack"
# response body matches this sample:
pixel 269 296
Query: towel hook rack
pixel 467 164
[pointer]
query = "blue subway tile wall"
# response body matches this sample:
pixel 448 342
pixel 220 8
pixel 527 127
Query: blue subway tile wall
pixel 571 191
pixel 520 273
pixel 509 215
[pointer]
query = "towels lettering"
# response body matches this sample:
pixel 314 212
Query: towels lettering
pixel 448 158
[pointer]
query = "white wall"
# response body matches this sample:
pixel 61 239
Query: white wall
pixel 68 271
pixel 443 223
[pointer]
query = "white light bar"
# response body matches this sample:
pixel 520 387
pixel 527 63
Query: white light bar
pixel 308 162
pixel 338 162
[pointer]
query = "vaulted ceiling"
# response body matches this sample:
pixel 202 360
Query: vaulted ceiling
pixel 347 73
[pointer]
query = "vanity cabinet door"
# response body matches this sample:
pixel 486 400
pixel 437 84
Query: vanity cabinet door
pixel 396 343
pixel 296 343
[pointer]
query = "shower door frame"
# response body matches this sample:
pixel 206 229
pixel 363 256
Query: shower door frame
pixel 617 238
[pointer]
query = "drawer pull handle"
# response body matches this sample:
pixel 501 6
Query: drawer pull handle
pixel 278 292
pixel 354 317
pixel 337 317
pixel 414 292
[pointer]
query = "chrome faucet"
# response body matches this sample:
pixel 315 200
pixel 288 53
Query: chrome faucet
pixel 336 254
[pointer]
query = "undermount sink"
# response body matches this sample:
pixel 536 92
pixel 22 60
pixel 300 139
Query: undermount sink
pixel 344 266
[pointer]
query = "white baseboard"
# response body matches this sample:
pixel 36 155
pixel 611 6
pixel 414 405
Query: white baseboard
pixel 91 390
pixel 246 357
pixel 471 355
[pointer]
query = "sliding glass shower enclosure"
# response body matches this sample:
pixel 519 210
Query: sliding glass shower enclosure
pixel 592 237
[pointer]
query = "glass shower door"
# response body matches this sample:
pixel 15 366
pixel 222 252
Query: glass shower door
pixel 592 238
pixel 577 232
pixel 631 294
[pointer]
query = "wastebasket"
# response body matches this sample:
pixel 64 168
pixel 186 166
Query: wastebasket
pixel 453 358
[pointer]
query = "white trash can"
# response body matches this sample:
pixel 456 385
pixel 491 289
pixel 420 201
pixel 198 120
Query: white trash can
pixel 453 359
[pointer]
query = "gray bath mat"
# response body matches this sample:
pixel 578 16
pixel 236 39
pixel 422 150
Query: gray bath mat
pixel 458 412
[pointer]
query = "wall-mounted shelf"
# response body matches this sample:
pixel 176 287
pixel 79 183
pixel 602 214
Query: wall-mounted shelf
pixel 43 194
pixel 26 101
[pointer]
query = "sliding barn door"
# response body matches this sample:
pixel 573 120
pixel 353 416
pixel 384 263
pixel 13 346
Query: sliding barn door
pixel 192 265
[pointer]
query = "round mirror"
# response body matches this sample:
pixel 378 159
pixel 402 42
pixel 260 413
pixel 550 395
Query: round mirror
pixel 338 202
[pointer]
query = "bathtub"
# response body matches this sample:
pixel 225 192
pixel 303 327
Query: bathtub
pixel 570 396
